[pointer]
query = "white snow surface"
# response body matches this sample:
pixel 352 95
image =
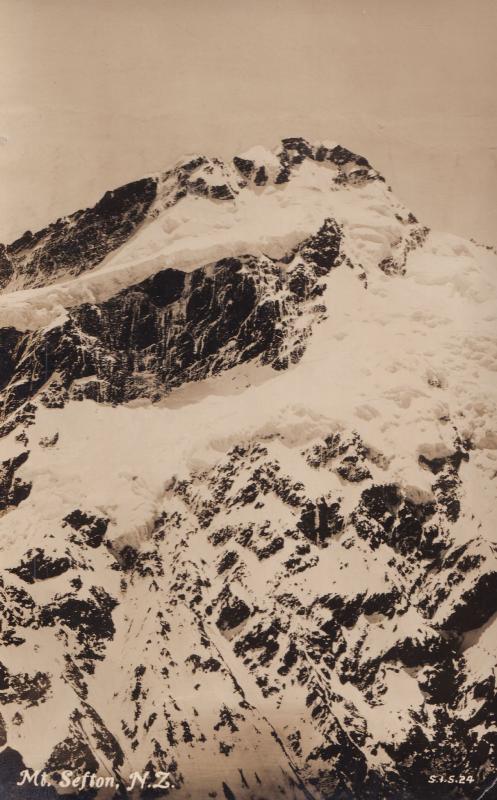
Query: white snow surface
pixel 367 367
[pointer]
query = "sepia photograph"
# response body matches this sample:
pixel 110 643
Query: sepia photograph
pixel 248 400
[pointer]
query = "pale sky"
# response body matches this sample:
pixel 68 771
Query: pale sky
pixel 94 93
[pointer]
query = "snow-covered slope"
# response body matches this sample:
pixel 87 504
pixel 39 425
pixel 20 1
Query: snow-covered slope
pixel 248 464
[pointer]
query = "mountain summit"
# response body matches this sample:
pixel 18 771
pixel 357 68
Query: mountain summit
pixel 248 439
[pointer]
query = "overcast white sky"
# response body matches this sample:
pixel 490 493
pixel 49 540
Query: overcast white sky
pixel 94 93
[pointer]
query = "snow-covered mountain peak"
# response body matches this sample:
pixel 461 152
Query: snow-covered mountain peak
pixel 201 211
pixel 248 430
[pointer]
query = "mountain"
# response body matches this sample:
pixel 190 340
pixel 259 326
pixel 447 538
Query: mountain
pixel 248 461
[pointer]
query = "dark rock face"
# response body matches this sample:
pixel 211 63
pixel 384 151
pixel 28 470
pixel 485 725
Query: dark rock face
pixel 36 566
pixel 233 614
pixel 244 166
pixel 10 339
pixel 13 490
pixel 90 620
pixel 385 516
pixel 87 617
pixel 29 689
pixel 320 520
pixel 352 168
pixel 89 530
pixel 461 586
pixel 296 150
pixel 6 266
pixel 202 177
pixel 174 327
pixel 11 767
pixel 79 242
pixel 348 458
pixel 76 748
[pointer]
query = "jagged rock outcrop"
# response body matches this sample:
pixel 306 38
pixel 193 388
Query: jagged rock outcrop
pixel 174 327
pixel 76 243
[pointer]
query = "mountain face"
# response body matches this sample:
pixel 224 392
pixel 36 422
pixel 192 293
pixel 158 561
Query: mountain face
pixel 248 460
